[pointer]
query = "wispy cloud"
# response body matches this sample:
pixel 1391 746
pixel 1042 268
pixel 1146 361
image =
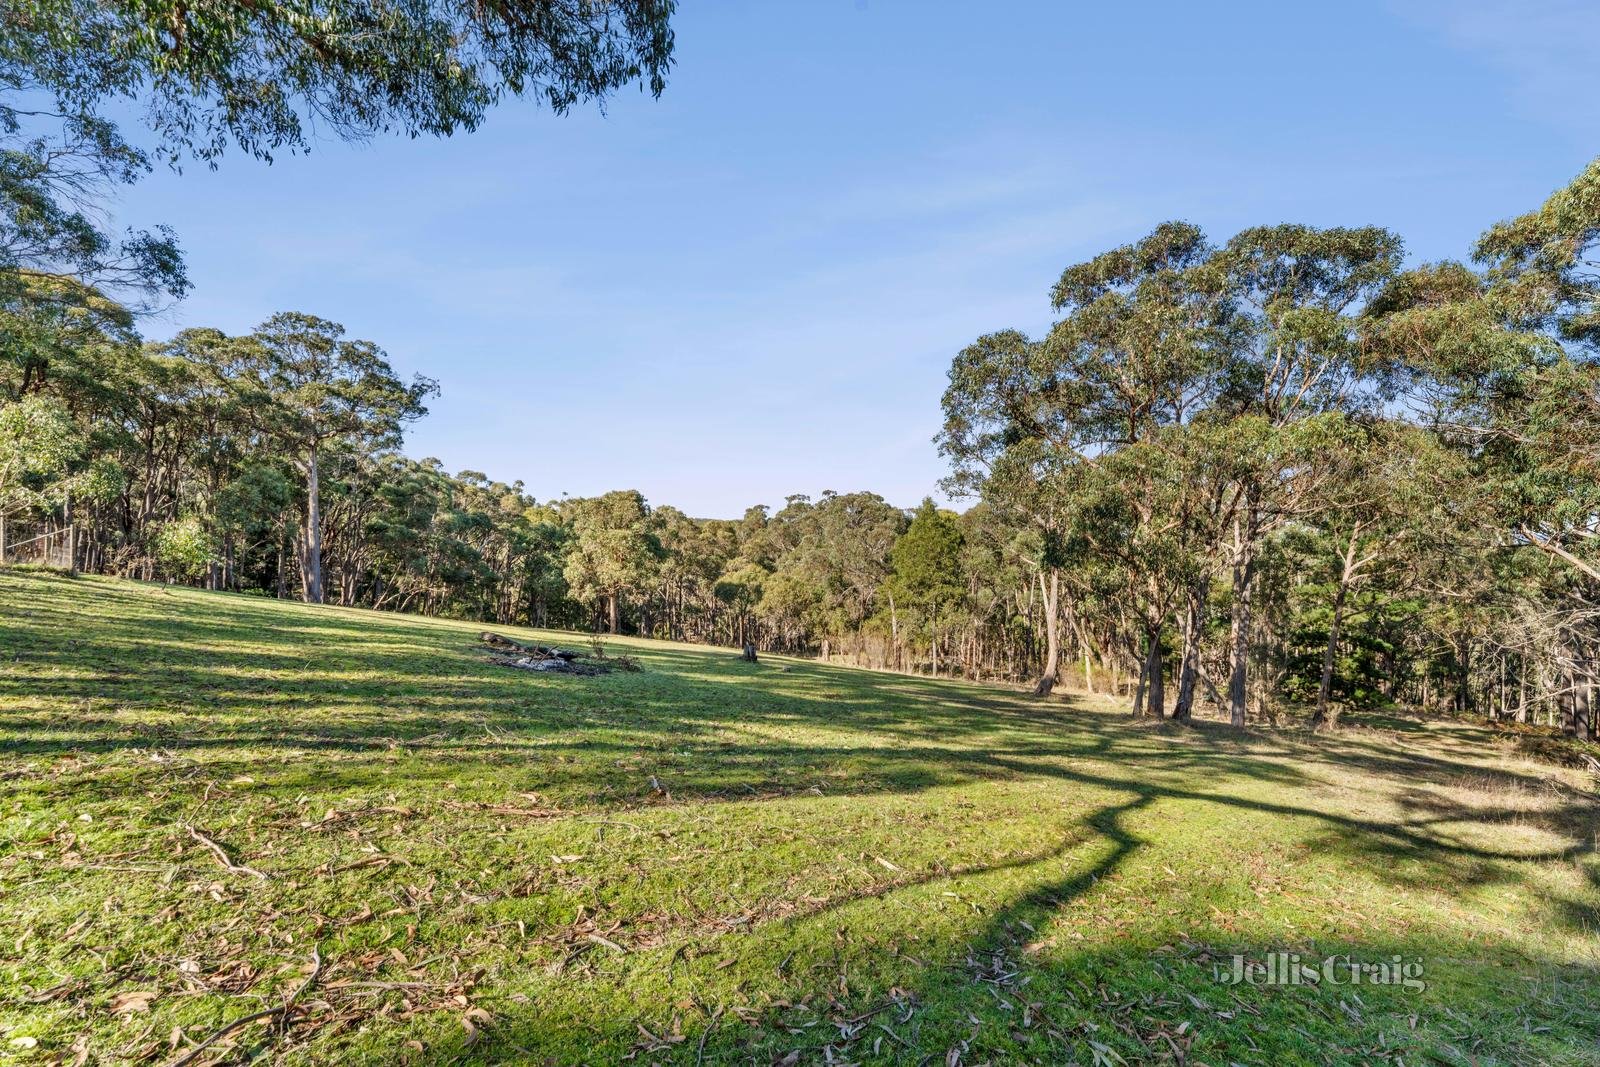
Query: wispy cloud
pixel 1543 49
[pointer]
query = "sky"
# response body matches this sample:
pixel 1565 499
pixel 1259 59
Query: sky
pixel 753 286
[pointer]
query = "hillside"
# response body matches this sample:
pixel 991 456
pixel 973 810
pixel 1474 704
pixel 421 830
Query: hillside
pixel 712 861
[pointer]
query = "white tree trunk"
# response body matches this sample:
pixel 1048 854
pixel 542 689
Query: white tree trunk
pixel 311 566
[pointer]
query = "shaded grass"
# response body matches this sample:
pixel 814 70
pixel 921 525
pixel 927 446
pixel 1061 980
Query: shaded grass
pixel 718 862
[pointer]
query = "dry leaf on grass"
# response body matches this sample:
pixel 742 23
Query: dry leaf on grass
pixel 130 1003
pixel 471 1020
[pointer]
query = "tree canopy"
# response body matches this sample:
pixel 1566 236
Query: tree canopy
pixel 1283 473
pixel 269 75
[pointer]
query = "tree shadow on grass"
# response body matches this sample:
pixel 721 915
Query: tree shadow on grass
pixel 430 681
pixel 1013 990
pixel 706 725
pixel 717 732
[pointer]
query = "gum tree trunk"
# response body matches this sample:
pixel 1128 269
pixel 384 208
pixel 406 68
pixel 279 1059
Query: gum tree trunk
pixel 1189 665
pixel 1144 675
pixel 1347 574
pixel 1155 696
pixel 1052 633
pixel 311 565
pixel 1244 566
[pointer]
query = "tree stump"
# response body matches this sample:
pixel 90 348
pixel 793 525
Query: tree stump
pixel 749 655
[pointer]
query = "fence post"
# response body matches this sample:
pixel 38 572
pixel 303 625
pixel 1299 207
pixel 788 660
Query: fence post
pixel 72 536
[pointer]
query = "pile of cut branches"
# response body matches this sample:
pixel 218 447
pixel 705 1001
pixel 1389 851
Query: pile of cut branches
pixel 526 657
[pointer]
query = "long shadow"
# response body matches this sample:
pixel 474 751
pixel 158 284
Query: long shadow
pixel 440 703
pixel 995 999
pixel 517 720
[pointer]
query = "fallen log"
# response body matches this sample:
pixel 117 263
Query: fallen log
pixel 505 644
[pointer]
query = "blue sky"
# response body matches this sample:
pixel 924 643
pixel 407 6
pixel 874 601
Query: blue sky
pixel 753 286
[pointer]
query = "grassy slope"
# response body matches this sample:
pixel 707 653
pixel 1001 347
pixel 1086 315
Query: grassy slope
pixel 844 864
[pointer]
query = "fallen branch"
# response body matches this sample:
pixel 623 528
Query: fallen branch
pixel 505 644
pixel 284 1009
pixel 223 857
pixel 608 943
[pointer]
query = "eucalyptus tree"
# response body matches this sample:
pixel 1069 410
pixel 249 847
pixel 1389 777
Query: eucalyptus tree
pixel 998 568
pixel 1008 446
pixel 792 609
pixel 1502 366
pixel 1140 346
pixel 541 543
pixel 209 433
pixel 841 544
pixel 615 550
pixel 741 587
pixel 1295 371
pixel 265 76
pixel 57 248
pixel 1379 516
pixel 252 515
pixel 311 390
pixel 1543 410
pixel 214 72
pixel 694 555
pixel 39 444
pixel 1202 492
pixel 402 535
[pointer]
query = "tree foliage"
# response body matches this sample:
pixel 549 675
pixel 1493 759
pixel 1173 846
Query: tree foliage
pixel 268 75
pixel 1278 474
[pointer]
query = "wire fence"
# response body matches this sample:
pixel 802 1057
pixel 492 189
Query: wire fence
pixel 46 545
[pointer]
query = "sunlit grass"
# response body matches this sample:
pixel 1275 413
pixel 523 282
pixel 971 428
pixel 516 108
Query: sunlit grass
pixel 717 862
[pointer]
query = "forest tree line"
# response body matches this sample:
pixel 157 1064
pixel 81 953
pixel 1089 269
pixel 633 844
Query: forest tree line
pixel 1282 470
pixel 1278 470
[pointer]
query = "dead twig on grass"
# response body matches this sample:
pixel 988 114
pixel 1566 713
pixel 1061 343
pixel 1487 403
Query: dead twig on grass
pixel 223 857
pixel 285 1010
pixel 700 1049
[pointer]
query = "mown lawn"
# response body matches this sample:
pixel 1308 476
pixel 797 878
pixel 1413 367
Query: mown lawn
pixel 717 862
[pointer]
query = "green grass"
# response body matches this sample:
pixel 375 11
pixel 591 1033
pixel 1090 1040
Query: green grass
pixel 712 861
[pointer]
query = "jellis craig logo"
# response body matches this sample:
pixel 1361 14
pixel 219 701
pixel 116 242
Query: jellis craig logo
pixel 1288 968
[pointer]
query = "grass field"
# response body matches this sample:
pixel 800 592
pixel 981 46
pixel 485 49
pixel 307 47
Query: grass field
pixel 711 861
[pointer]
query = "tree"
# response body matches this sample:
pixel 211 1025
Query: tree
pixel 614 551
pixel 183 547
pixel 1376 502
pixel 1501 364
pixel 1004 436
pixel 1138 348
pixel 1295 364
pixel 46 461
pixel 56 249
pixel 250 512
pixel 315 389
pixel 927 566
pixel 742 586
pixel 839 545
pixel 260 73
pixel 39 443
pixel 1542 404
